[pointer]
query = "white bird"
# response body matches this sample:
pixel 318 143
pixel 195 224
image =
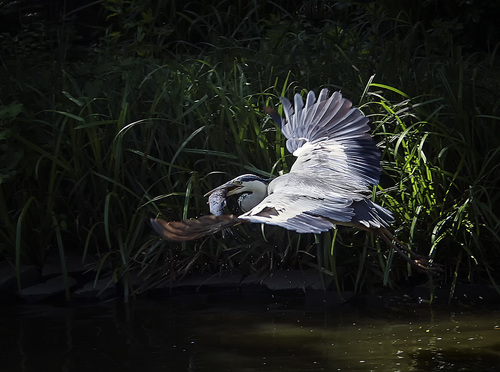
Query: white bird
pixel 329 184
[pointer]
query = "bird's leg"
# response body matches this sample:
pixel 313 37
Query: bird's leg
pixel 414 259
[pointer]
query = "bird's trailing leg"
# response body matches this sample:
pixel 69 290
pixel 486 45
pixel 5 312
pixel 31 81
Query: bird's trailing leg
pixel 414 259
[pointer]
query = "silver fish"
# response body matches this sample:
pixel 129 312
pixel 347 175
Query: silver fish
pixel 217 202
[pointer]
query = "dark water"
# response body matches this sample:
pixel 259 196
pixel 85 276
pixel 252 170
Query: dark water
pixel 202 334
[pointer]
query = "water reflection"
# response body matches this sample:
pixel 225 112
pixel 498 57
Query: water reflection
pixel 201 334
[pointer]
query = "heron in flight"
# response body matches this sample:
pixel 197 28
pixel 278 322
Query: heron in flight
pixel 329 184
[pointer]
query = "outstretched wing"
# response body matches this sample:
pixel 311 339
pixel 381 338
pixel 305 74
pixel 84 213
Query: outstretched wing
pixel 337 162
pixel 193 228
pixel 331 136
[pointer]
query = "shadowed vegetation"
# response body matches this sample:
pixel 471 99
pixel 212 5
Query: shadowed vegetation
pixel 117 111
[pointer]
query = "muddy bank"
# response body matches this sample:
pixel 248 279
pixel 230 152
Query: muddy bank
pixel 50 285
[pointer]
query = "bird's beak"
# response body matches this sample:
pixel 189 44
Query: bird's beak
pixel 229 186
pixel 234 190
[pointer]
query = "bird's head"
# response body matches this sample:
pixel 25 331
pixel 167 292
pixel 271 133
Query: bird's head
pixel 248 188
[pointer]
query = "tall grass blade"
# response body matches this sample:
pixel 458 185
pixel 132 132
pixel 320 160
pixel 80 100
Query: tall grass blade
pixel 19 239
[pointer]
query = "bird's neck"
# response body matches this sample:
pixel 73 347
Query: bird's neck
pixel 249 200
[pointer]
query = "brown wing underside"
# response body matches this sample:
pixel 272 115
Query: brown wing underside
pixel 194 228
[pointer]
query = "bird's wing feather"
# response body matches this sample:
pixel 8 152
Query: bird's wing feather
pixel 337 162
pixel 331 124
pixel 193 228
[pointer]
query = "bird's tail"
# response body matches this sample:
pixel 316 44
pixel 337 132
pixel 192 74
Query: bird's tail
pixel 422 263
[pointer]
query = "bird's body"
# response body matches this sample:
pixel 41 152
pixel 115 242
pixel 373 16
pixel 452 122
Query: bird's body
pixel 298 202
pixel 329 184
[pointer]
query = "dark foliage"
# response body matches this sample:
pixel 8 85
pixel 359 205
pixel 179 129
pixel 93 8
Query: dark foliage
pixel 113 111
